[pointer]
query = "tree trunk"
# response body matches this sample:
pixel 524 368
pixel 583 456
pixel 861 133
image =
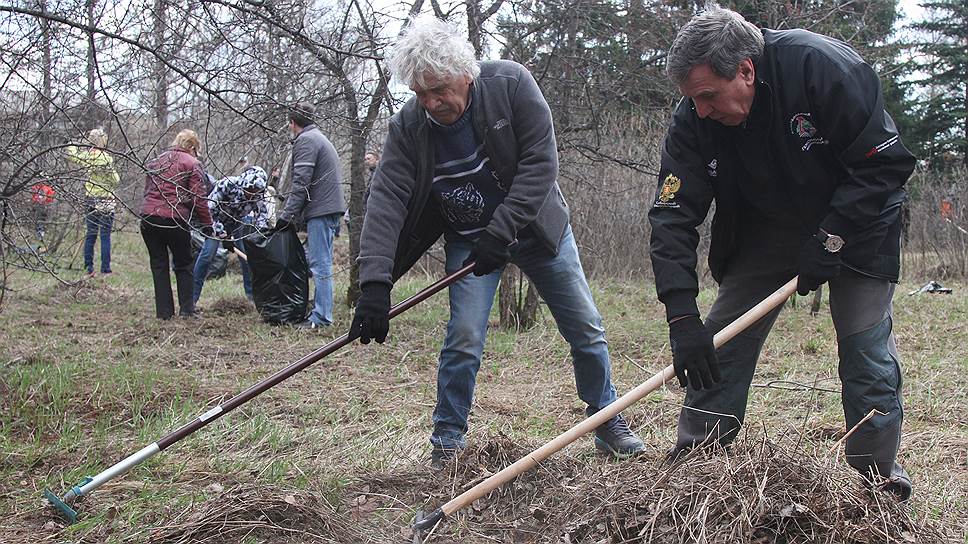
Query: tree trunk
pixel 474 26
pixel 160 70
pixel 46 85
pixel 359 176
pixel 90 108
pixel 517 300
pixel 358 184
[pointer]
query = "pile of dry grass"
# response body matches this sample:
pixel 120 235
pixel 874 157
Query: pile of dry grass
pixel 230 306
pixel 761 491
pixel 263 513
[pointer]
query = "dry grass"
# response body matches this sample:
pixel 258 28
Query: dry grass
pixel 88 376
pixel 261 512
pixel 760 491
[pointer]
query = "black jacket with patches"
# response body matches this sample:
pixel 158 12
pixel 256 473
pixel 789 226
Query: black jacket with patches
pixel 817 135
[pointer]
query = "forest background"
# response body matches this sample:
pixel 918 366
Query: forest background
pixel 144 69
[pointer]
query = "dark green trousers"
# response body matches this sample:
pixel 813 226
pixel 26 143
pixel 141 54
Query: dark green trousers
pixel 869 370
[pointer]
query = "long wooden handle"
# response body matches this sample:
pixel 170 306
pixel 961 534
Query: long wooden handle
pixel 594 421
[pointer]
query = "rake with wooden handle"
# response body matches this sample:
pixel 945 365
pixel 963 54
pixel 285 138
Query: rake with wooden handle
pixel 529 461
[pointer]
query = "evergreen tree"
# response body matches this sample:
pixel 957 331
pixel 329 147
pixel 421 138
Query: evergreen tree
pixel 942 104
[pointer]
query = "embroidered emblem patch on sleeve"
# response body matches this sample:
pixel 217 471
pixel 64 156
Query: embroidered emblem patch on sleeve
pixel 667 195
pixel 881 146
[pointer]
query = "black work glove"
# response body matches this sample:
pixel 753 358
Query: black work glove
pixel 372 317
pixel 228 245
pixel 693 353
pixel 488 254
pixel 816 266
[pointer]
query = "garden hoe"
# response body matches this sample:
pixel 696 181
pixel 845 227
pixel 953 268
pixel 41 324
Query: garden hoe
pixel 423 522
pixel 89 484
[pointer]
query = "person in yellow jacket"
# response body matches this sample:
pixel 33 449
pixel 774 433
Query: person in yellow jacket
pixel 101 181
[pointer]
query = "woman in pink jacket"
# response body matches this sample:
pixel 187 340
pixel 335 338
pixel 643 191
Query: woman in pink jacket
pixel 174 196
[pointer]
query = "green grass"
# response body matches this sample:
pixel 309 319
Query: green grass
pixel 88 376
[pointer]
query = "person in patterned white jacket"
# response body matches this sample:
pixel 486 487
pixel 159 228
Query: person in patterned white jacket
pixel 238 205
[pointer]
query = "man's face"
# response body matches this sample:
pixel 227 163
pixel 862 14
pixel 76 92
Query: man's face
pixel 444 99
pixel 723 100
pixel 370 160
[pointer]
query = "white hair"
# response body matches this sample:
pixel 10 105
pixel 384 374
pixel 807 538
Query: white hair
pixel 431 47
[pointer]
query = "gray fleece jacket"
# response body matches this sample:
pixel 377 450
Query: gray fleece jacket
pixel 514 121
pixel 316 181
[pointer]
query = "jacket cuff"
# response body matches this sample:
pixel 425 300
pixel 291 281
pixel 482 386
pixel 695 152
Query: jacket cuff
pixel 375 269
pixel 680 303
pixel 497 229
pixel 377 285
pixel 837 224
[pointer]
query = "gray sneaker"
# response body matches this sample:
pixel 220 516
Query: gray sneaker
pixel 309 324
pixel 615 438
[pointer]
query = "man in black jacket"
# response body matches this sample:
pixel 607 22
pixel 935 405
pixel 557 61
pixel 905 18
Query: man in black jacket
pixel 786 131
pixel 473 157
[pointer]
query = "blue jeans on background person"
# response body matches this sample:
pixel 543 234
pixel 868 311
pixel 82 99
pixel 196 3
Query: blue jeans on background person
pixel 237 230
pixel 560 281
pixel 98 223
pixel 321 232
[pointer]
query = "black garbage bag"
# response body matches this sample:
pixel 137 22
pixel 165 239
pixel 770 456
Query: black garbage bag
pixel 220 261
pixel 280 277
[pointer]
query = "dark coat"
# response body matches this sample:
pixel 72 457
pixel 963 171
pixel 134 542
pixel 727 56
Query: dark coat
pixel 514 121
pixel 818 136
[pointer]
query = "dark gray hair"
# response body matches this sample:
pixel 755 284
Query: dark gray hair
pixel 432 47
pixel 302 113
pixel 717 37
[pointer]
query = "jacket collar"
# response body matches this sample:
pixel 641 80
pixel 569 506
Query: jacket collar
pixel 305 129
pixel 761 112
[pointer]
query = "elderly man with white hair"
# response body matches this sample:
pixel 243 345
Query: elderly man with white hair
pixel 472 157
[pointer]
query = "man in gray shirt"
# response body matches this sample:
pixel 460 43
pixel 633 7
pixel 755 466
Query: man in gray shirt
pixel 473 157
pixel 317 200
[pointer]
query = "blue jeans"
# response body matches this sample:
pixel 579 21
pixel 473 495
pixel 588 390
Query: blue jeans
pixel 321 232
pixel 237 230
pixel 98 223
pixel 560 281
